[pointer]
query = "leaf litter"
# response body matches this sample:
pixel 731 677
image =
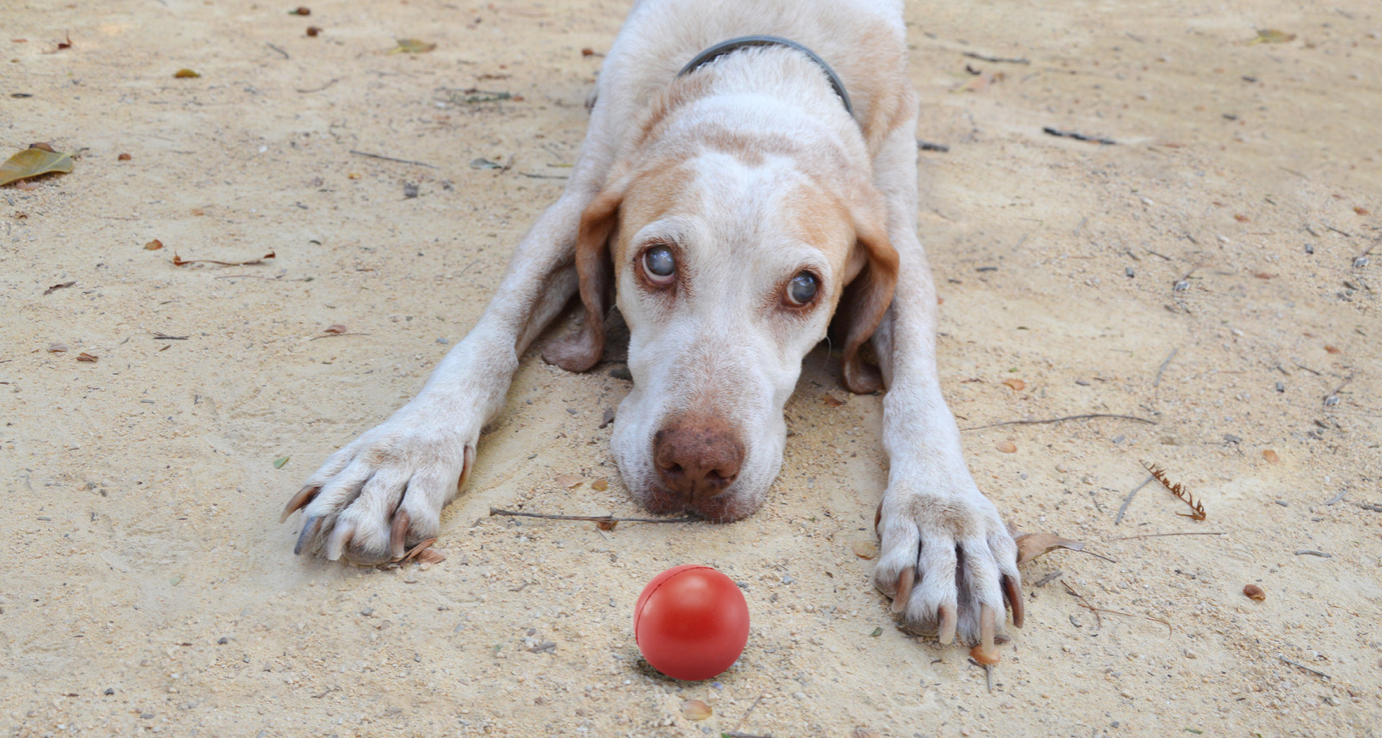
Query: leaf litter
pixel 34 162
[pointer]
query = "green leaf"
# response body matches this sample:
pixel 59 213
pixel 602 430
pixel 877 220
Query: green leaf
pixel 1272 36
pixel 33 162
pixel 876 632
pixel 280 461
pixel 412 46
pixel 1196 732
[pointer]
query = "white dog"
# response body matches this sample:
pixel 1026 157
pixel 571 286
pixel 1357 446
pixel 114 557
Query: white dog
pixel 731 204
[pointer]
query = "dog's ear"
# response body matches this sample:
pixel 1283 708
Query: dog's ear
pixel 583 348
pixel 870 294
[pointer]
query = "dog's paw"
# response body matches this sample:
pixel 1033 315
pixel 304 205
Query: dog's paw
pixel 948 562
pixel 383 493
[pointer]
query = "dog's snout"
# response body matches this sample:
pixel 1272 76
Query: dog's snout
pixel 697 458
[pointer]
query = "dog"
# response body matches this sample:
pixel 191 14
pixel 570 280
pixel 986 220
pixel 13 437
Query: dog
pixel 732 200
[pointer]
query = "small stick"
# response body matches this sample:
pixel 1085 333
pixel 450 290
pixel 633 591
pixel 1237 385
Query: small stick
pixel 1078 136
pixel 746 715
pixel 166 337
pixel 1308 552
pixel 281 51
pixel 988 673
pixel 1061 420
pixel 390 158
pixel 590 518
pixel 179 261
pixel 333 81
pixel 1163 535
pixel 1337 497
pixel 928 146
pixel 334 335
pixel 1042 582
pixel 1097 620
pixel 1097 610
pixel 1128 501
pixel 1336 230
pixel 1157 383
pixel 1303 666
pixel 995 60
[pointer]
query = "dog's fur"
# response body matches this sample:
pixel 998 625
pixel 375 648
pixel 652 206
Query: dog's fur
pixel 751 171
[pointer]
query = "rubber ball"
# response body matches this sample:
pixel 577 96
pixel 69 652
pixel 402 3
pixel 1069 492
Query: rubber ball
pixel 691 622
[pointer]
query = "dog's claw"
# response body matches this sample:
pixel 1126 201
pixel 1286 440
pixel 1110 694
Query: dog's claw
pixel 878 518
pixel 905 580
pixel 309 529
pixel 298 501
pixel 947 625
pixel 398 533
pixel 340 538
pixel 985 652
pixel 1014 595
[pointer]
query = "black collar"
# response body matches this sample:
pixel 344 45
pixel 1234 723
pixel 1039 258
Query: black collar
pixel 734 44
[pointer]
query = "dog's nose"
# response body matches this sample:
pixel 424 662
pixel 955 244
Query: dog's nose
pixel 697 458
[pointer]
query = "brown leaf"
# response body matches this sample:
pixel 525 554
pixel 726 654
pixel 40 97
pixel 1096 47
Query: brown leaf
pixel 1332 349
pixel 1255 592
pixel 1270 456
pixel 1361 211
pixel 185 74
pixel 695 710
pixel 313 31
pixel 864 549
pixel 153 245
pixel 567 481
pixel 123 157
pixel 43 146
pixel 33 162
pixel 57 287
pixel 587 51
pixel 57 348
pixel 832 401
pixel 1263 275
pixel 1033 545
pixel 87 357
pixel 65 44
pixel 1240 218
pixel 606 524
pixel 600 485
pixel 1007 447
pixel 1017 384
pixel 335 328
pixel 300 10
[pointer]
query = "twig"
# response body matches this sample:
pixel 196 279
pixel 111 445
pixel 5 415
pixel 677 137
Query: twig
pixel 1097 620
pixel 1303 666
pixel 334 335
pixel 590 518
pixel 1042 582
pixel 333 81
pixel 530 175
pixel 1174 351
pixel 57 287
pixel 1337 498
pixel 1091 553
pixel 281 51
pixel 1128 501
pixel 988 673
pixel 1061 420
pixel 1196 508
pixel 746 715
pixel 1078 136
pixel 166 337
pixel 1308 552
pixel 996 60
pixel 390 158
pixel 1097 610
pixel 928 146
pixel 1163 535
pixel 179 261
pixel 1336 230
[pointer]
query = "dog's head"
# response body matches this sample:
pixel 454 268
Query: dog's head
pixel 727 253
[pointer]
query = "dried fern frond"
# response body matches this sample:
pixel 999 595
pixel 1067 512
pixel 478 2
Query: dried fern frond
pixel 1196 508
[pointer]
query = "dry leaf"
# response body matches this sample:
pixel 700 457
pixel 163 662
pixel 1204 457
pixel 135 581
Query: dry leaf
pixel 57 348
pixel 185 74
pixel 43 146
pixel 123 157
pixel 1361 211
pixel 59 286
pixel 336 328
pixel 32 163
pixel 153 245
pixel 567 481
pixel 1007 447
pixel 864 549
pixel 1017 384
pixel 1263 275
pixel 1270 456
pixel 412 46
pixel 301 10
pixel 313 31
pixel 832 401
pixel 600 485
pixel 1332 349
pixel 1241 218
pixel 1272 36
pixel 695 710
pixel 1254 592
pixel 1032 545
pixel 87 357
pixel 606 525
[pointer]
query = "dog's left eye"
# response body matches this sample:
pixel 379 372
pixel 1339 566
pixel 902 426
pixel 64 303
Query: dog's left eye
pixel 660 265
pixel 802 288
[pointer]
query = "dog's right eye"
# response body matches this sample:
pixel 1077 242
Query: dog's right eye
pixel 660 265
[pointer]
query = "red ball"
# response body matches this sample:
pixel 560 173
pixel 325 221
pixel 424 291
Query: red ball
pixel 691 622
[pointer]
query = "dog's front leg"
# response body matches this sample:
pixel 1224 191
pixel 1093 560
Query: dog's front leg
pixel 947 559
pixel 385 490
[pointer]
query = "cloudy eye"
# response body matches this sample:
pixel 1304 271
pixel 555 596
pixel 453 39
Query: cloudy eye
pixel 801 289
pixel 660 265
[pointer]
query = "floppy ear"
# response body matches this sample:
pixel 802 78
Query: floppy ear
pixel 582 349
pixel 868 297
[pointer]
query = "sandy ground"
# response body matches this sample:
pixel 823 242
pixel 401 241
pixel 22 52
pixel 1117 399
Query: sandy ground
pixel 147 586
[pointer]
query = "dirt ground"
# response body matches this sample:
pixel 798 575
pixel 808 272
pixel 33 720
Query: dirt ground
pixel 1205 273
